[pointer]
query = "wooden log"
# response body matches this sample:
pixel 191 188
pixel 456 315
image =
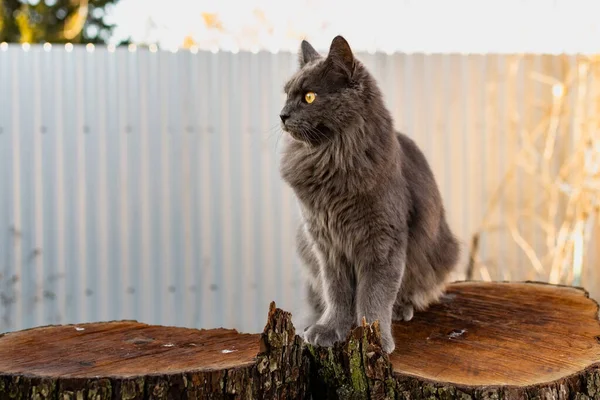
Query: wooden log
pixel 130 360
pixel 482 341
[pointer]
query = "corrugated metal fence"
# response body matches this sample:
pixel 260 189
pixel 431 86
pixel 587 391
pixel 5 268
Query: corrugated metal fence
pixel 145 185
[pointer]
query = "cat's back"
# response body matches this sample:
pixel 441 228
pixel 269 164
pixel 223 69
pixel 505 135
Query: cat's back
pixel 412 152
pixel 426 201
pixel 415 166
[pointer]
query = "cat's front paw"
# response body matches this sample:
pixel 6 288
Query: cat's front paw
pixel 403 312
pixel 325 335
pixel 387 343
pixel 408 312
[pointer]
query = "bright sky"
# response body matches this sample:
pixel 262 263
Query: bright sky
pixel 388 25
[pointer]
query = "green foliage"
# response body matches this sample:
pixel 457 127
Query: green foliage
pixel 55 21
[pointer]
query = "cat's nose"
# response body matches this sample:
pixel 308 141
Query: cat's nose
pixel 284 117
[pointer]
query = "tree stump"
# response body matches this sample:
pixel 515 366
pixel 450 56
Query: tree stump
pixel 130 360
pixel 482 341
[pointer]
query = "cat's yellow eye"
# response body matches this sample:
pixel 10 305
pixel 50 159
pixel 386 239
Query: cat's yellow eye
pixel 309 97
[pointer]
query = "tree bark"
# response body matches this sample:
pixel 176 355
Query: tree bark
pixel 481 341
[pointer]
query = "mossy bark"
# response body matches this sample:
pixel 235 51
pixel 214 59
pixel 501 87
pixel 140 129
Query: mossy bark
pixel 357 369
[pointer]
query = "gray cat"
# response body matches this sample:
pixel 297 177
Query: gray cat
pixel 374 238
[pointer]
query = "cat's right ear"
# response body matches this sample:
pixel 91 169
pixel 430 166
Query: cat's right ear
pixel 307 54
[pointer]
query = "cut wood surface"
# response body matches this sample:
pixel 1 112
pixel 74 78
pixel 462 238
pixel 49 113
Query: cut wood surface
pixel 123 349
pixel 482 341
pixel 130 360
pixel 500 334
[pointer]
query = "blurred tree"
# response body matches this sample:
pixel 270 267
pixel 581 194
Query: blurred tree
pixel 189 42
pixel 55 21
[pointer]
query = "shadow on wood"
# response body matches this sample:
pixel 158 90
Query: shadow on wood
pixel 482 341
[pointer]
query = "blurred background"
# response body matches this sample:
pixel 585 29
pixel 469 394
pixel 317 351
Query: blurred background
pixel 139 146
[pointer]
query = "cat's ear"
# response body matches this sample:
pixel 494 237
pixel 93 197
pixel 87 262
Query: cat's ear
pixel 307 54
pixel 341 54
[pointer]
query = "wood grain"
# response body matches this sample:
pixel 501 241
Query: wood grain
pixel 492 334
pixel 123 349
pixel 131 360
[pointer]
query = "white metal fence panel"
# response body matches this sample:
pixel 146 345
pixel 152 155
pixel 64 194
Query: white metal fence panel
pixel 141 185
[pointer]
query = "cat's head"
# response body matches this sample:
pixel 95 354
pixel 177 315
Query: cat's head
pixel 326 95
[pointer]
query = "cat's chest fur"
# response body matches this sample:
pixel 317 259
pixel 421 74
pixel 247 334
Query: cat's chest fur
pixel 328 229
pixel 339 226
pixel 339 207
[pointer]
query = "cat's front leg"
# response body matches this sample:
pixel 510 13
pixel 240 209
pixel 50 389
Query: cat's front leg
pixel 314 309
pixel 314 302
pixel 338 317
pixel 378 285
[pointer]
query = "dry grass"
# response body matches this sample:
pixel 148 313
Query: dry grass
pixel 560 160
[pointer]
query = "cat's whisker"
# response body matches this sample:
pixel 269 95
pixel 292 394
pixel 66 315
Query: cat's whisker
pixel 328 139
pixel 317 130
pixel 275 127
pixel 305 135
pixel 272 131
pixel 280 134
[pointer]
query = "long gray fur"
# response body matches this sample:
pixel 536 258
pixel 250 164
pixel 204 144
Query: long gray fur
pixel 373 239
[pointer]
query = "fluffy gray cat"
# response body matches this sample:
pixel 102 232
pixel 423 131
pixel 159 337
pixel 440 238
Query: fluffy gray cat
pixel 374 238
